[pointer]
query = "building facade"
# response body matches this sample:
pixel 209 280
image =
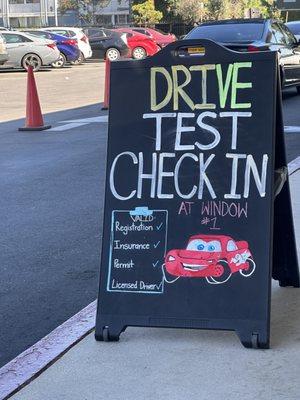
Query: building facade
pixel 39 13
pixel 112 12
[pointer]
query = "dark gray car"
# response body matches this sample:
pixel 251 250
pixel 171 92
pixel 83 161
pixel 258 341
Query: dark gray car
pixel 256 35
pixel 107 43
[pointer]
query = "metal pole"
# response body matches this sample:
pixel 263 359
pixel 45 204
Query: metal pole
pixel 46 13
pixel 130 12
pixel 7 13
pixel 55 13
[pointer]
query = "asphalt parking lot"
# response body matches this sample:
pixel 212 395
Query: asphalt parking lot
pixel 59 89
pixel 51 189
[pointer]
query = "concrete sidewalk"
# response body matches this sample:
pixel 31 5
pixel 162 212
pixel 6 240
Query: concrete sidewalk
pixel 168 364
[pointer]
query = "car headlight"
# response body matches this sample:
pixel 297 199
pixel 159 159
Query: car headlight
pixel 171 258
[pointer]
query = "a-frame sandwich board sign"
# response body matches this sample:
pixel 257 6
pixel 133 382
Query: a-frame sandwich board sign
pixel 195 134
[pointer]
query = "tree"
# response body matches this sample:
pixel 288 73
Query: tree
pixel 226 9
pixel 146 14
pixel 84 8
pixel 190 11
pixel 67 5
pixel 166 7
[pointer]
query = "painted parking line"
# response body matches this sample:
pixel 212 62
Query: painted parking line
pixel 75 123
pixel 66 127
pixel 292 129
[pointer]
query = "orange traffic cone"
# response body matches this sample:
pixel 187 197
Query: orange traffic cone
pixel 106 85
pixel 34 118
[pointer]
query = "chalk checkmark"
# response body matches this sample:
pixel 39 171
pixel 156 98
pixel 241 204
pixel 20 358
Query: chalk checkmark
pixel 155 245
pixel 159 226
pixel 155 264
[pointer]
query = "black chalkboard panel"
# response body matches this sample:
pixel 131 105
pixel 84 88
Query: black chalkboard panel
pixel 189 199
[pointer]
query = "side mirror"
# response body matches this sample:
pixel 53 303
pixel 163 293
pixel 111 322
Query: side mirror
pixel 242 244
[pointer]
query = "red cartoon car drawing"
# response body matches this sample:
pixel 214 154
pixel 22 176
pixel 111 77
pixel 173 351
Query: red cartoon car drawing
pixel 214 257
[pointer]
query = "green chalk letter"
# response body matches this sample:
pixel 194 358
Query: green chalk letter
pixel 223 88
pixel 239 85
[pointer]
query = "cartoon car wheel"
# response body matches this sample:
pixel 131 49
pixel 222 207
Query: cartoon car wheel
pixel 251 268
pixel 225 273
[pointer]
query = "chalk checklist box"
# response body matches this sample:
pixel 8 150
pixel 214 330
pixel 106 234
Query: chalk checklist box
pixel 137 250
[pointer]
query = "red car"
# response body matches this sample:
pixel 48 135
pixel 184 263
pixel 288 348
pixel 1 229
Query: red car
pixel 214 257
pixel 161 38
pixel 140 45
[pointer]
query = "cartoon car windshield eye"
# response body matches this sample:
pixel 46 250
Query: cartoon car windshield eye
pixel 214 257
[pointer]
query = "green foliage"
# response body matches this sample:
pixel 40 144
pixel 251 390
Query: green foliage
pixel 84 8
pixel 146 14
pixel 190 11
pixel 66 5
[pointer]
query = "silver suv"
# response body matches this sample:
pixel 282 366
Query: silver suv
pixel 3 52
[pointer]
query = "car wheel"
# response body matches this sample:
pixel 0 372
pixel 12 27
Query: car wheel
pixel 251 268
pixel 225 273
pixel 298 89
pixel 79 60
pixel 60 62
pixel 32 60
pixel 112 54
pixel 139 53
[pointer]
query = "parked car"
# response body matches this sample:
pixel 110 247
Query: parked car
pixel 294 27
pixel 107 43
pixel 24 50
pixel 256 35
pixel 3 51
pixel 160 37
pixel 140 45
pixel 80 36
pixel 214 257
pixel 69 50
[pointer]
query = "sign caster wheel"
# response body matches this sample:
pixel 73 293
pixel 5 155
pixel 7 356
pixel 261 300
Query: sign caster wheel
pixel 254 340
pixel 105 334
pixel 108 336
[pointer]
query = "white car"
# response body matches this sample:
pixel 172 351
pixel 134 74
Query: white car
pixel 3 51
pixel 25 50
pixel 79 35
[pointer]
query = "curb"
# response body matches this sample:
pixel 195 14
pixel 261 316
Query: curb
pixel 33 361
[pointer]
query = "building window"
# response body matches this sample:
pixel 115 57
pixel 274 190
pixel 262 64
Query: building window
pixel 16 1
pixel 104 20
pixel 25 22
pixel 32 1
pixel 122 19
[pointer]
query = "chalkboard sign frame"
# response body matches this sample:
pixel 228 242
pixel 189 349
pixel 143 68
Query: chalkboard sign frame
pixel 136 311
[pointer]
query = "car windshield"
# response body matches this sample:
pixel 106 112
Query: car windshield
pixel 294 28
pixel 202 245
pixel 228 33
